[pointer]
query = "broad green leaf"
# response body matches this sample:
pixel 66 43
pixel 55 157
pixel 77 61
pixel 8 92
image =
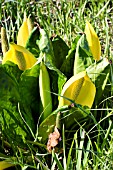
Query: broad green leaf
pixel 46 48
pixel 29 94
pixel 82 56
pixel 47 126
pixel 93 41
pixel 67 66
pixel 80 89
pixel 101 85
pixel 75 114
pixel 19 99
pixel 10 119
pixel 31 42
pixel 57 78
pixel 95 70
pixel 60 49
pixel 84 45
pixel 13 127
pixel 9 78
pixel 99 74
pixel 20 56
pixel 69 116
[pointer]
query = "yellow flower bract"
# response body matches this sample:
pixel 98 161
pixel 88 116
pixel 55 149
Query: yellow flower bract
pixel 93 41
pixel 80 89
pixel 24 31
pixel 23 34
pixel 20 56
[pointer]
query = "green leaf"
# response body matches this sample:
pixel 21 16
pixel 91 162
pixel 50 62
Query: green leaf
pixel 29 94
pixel 97 69
pixel 82 56
pixel 99 74
pixel 74 115
pixel 19 99
pixel 67 66
pixel 46 49
pixel 57 78
pixel 9 77
pixel 31 42
pixel 69 116
pixel 47 126
pixel 60 49
pixel 13 127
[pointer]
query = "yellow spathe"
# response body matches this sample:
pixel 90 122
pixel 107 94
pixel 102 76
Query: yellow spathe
pixel 20 56
pixel 93 41
pixel 80 89
pixel 23 33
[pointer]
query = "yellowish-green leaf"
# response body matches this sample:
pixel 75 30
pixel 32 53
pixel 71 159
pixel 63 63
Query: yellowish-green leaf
pixel 5 164
pixel 45 91
pixel 93 41
pixel 20 56
pixel 80 89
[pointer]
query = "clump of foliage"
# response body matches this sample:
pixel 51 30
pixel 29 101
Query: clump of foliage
pixel 55 100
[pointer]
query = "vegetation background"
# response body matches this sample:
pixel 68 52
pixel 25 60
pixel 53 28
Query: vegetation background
pixel 67 18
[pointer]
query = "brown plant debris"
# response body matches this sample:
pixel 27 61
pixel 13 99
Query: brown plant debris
pixel 53 140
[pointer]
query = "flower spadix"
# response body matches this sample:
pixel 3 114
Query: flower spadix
pixel 24 31
pixel 80 89
pixel 93 41
pixel 20 56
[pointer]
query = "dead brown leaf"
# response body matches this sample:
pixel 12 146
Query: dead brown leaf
pixel 53 140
